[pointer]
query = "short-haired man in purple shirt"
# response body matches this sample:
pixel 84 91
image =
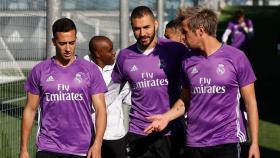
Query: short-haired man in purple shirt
pixel 214 76
pixel 173 31
pixel 151 66
pixel 65 87
pixel 241 30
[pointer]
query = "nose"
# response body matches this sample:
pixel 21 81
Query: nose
pixel 142 33
pixel 68 47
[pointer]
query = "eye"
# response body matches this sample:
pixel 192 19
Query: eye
pixel 62 43
pixel 72 43
pixel 146 27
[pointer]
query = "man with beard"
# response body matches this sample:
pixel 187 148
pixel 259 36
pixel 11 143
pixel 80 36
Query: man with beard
pixel 152 67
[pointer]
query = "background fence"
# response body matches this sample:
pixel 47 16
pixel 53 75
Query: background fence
pixel 23 44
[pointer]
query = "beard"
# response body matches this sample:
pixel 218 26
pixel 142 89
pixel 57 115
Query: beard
pixel 151 38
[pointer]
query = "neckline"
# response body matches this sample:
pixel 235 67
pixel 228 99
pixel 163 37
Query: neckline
pixel 216 52
pixel 63 67
pixel 139 51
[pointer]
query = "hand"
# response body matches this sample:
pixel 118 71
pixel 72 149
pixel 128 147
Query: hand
pixel 94 152
pixel 243 24
pixel 23 154
pixel 254 151
pixel 158 123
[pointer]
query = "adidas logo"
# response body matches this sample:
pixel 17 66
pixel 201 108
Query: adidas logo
pixel 194 70
pixel 134 68
pixel 50 78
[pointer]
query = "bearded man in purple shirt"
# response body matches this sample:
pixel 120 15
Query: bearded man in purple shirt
pixel 214 76
pixel 151 66
pixel 65 87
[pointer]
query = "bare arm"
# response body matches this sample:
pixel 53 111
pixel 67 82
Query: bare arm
pixel 248 94
pixel 98 101
pixel 27 122
pixel 159 122
pixel 126 94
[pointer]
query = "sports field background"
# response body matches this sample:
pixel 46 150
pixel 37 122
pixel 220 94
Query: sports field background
pixel 266 63
pixel 263 56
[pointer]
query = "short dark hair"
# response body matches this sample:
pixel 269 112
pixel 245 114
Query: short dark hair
pixel 238 14
pixel 63 25
pixel 94 44
pixel 175 25
pixel 140 11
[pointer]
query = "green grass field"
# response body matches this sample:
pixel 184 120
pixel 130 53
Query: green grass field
pixel 10 137
pixel 10 119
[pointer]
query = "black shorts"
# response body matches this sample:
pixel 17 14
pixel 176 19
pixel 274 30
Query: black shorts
pixel 178 138
pixel 114 148
pixel 220 151
pixel 48 154
pixel 151 146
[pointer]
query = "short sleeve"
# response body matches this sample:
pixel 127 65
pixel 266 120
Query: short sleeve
pixel 245 73
pixel 230 26
pixel 250 24
pixel 117 74
pixel 97 82
pixel 184 74
pixel 32 84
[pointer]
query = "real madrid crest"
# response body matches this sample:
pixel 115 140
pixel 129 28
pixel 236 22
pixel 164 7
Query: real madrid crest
pixel 78 78
pixel 220 69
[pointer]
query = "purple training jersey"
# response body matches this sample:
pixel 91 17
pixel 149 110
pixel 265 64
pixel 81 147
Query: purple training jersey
pixel 239 37
pixel 154 80
pixel 65 104
pixel 214 116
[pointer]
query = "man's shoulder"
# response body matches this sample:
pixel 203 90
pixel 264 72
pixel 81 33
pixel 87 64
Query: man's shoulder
pixel 85 63
pixel 173 46
pixel 87 57
pixel 248 20
pixel 167 42
pixel 43 64
pixel 132 49
pixel 233 52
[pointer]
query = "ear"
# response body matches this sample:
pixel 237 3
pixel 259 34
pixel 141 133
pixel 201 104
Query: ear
pixel 97 54
pixel 156 25
pixel 201 31
pixel 53 41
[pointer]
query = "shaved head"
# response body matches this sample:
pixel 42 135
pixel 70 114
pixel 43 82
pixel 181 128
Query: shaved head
pixel 97 43
pixel 101 50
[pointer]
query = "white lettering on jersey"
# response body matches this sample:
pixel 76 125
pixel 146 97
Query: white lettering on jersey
pixel 206 87
pixel 63 94
pixel 149 81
